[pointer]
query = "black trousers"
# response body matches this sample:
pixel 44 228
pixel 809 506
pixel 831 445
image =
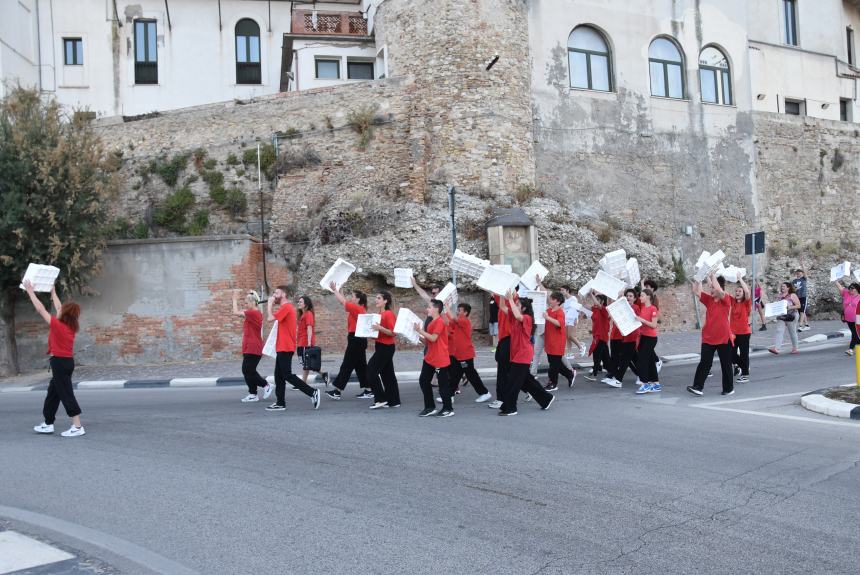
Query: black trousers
pixel 602 361
pixel 741 353
pixel 60 390
pixel 424 380
pixel 557 367
pixel 249 369
pixel 647 361
pixel 855 339
pixel 354 358
pixel 724 351
pixel 615 346
pixel 626 357
pixel 284 373
pixel 380 374
pixel 521 379
pixel 503 366
pixel 457 370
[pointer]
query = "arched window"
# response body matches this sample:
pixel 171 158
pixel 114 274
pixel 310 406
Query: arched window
pixel 588 58
pixel 715 77
pixel 667 69
pixel 248 52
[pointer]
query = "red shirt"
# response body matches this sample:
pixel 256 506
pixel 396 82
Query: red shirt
pixel 739 320
pixel 437 351
pixel 462 347
pixel 353 310
pixel 252 341
pixel 650 313
pixel 633 336
pixel 307 320
pixel 522 350
pixel 505 319
pixel 600 323
pixel 716 330
pixel 61 339
pixel 286 317
pixel 554 337
pixel 388 320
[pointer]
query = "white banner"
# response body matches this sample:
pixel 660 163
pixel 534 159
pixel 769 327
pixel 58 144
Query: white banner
pixel 623 316
pixel 538 304
pixel 41 276
pixel 364 323
pixel 338 273
pixel 403 277
pixel 405 325
pixel 776 308
pixel 269 347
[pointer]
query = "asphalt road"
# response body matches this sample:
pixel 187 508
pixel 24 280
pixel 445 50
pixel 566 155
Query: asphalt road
pixel 603 482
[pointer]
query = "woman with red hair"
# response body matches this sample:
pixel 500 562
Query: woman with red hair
pixel 61 344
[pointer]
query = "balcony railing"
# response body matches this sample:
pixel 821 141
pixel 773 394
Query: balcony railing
pixel 329 23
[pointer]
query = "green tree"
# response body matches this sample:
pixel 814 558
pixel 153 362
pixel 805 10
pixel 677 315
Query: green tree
pixel 55 183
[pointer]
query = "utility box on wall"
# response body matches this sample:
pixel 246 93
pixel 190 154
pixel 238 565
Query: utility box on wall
pixel 512 238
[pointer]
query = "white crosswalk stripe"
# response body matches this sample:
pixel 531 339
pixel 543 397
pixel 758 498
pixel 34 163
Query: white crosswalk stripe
pixel 19 552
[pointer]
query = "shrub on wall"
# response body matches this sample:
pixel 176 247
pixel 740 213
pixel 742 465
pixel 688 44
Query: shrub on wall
pixel 235 202
pixel 170 170
pixel 173 213
pixel 199 222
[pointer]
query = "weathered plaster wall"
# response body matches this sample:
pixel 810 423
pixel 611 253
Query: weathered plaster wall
pixel 158 301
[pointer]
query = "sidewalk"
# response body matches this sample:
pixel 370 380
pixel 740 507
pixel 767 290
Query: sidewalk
pixel 672 347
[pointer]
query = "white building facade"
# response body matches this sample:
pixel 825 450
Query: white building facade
pixel 119 58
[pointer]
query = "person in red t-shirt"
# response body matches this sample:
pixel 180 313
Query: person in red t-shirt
pixel 436 361
pixel 380 368
pixel 555 340
pixel 307 336
pixel 285 347
pixel 252 345
pixel 503 352
pixel 716 335
pixel 599 336
pixel 355 355
pixel 648 314
pixel 739 322
pixel 61 348
pixel 462 351
pixel 623 346
pixel 521 318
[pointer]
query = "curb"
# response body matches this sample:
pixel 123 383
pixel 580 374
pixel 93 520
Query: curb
pixel 314 379
pixel 817 402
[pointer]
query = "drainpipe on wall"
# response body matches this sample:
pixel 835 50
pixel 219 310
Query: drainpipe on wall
pixel 38 47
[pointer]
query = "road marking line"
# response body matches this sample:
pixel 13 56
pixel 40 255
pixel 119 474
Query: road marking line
pixel 752 399
pixel 779 416
pixel 19 552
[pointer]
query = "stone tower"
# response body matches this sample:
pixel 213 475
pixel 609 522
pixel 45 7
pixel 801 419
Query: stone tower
pixel 469 126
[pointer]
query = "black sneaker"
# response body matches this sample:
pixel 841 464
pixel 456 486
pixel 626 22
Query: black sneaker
pixel 276 407
pixel 732 392
pixel 326 379
pixel 507 412
pixel 744 379
pixel 551 399
pixel 393 405
pixel 444 413
pixel 333 393
pixel 763 328
pixel 591 376
pixel 551 387
pixel 365 394
pixel 570 381
pixel 737 371
pixel 695 391
pixel 426 412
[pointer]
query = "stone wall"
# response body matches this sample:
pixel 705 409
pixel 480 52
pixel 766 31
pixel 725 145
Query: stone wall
pixel 808 195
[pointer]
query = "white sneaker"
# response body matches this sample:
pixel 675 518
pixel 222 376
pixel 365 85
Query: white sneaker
pixel 44 428
pixel 379 405
pixel 267 391
pixel 315 399
pixel 659 365
pixel 74 431
pixel 495 404
pixel 612 382
pixel 583 350
pixel 250 398
pixel 483 398
pixel 528 396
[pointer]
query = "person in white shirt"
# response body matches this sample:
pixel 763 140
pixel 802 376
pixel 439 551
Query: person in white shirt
pixel 571 315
